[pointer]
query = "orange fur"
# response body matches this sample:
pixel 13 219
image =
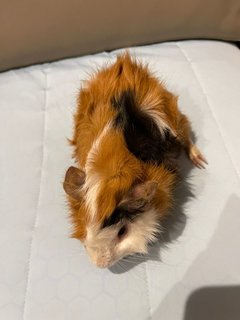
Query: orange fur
pixel 116 167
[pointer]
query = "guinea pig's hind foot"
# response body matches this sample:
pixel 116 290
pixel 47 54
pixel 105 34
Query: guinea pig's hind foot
pixel 196 157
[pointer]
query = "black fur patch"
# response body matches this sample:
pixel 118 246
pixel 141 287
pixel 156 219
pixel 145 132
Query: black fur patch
pixel 91 108
pixel 120 214
pixel 142 135
pixel 120 70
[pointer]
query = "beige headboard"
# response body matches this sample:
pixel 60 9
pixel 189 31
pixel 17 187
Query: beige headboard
pixel 34 31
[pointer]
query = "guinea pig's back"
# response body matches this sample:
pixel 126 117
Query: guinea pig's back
pixel 128 99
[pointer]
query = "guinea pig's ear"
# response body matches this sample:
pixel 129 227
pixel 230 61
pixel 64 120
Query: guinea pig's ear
pixel 140 195
pixel 74 180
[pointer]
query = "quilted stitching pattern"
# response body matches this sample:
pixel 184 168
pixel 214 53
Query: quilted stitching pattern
pixel 45 71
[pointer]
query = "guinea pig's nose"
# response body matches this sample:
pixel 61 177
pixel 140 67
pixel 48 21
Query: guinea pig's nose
pixel 102 264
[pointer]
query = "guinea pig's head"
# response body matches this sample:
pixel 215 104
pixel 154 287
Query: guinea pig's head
pixel 124 226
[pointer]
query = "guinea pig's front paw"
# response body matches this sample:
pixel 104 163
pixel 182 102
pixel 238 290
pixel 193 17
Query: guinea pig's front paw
pixel 196 157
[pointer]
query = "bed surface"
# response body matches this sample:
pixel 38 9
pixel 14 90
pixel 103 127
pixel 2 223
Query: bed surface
pixel 46 275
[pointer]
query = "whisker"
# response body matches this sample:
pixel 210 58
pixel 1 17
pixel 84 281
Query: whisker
pixel 136 274
pixel 121 267
pixel 137 262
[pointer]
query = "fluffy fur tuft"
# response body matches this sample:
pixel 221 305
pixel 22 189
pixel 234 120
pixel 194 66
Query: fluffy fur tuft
pixel 128 132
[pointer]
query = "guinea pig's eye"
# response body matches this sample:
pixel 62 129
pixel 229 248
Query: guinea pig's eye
pixel 122 232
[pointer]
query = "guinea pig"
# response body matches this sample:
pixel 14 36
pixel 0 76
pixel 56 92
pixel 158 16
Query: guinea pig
pixel 128 133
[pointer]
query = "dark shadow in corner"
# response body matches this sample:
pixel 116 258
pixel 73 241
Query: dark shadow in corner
pixel 209 303
pixel 173 225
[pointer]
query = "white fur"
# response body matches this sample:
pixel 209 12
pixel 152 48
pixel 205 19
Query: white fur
pixel 91 187
pixel 92 183
pixel 149 106
pixel 104 248
pixel 142 231
pixel 159 121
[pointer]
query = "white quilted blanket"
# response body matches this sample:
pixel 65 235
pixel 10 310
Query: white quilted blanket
pixel 45 275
